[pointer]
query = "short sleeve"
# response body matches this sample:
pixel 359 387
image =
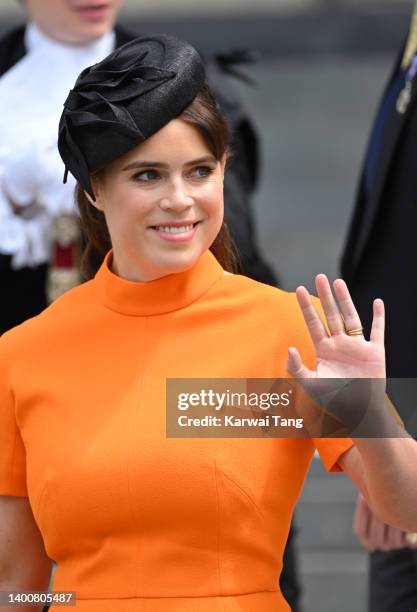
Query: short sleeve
pixel 330 451
pixel 12 450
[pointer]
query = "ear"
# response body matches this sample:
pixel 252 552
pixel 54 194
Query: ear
pixel 97 189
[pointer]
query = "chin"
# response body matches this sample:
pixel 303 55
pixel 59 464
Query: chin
pixel 90 31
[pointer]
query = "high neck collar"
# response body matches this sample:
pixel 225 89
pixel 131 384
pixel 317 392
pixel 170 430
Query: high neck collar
pixel 160 296
pixel 36 40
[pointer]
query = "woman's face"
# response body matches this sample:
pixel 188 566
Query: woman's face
pixel 163 203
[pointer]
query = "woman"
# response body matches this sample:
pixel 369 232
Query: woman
pixel 136 520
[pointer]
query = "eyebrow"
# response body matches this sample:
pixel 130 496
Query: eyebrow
pixel 154 164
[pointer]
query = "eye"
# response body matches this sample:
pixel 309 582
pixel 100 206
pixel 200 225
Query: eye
pixel 202 171
pixel 146 176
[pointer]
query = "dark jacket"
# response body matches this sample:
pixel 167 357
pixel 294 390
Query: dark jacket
pixel 241 176
pixel 380 254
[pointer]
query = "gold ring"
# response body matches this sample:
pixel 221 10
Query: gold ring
pixel 411 538
pixel 355 332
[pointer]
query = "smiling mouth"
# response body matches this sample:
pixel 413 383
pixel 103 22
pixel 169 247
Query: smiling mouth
pixel 175 229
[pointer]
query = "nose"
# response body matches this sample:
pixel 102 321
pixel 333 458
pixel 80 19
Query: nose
pixel 176 198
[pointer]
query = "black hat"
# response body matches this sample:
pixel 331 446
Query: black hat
pixel 119 102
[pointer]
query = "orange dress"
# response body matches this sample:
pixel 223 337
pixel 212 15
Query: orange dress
pixel 137 521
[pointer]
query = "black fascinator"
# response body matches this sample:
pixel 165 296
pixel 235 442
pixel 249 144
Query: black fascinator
pixel 120 102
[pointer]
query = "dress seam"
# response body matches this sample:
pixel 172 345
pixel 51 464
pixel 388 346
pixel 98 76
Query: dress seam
pixel 243 491
pixel 137 553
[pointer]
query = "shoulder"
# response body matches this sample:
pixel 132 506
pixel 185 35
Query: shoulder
pixel 57 320
pixel 273 312
pixel 263 299
pixel 244 285
pixel 12 48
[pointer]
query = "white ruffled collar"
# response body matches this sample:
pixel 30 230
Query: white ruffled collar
pixel 32 93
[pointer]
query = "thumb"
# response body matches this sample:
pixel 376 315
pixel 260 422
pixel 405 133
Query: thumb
pixel 295 365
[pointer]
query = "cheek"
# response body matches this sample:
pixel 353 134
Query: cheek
pixel 126 210
pixel 113 12
pixel 213 199
pixel 218 209
pixel 117 5
pixel 64 13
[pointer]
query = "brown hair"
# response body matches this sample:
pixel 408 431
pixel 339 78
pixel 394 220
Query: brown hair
pixel 204 114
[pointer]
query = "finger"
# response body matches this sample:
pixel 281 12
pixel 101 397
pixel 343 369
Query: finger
pixel 395 538
pixel 361 518
pixel 377 533
pixel 347 307
pixel 295 365
pixel 378 322
pixel 387 539
pixel 366 542
pixel 311 316
pixel 361 522
pixel 403 541
pixel 330 307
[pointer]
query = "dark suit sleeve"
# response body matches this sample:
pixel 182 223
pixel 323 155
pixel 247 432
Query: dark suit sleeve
pixel 12 48
pixel 348 255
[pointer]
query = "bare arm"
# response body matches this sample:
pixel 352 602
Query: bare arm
pixel 24 565
pixel 383 468
pixel 384 472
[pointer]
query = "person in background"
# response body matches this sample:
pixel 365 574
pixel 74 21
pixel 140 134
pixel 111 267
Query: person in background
pixel 379 260
pixel 39 233
pixel 60 39
pixel 75 34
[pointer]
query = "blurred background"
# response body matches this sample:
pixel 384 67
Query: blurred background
pixel 321 70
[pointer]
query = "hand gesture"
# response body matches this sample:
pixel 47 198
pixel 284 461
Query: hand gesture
pixel 342 354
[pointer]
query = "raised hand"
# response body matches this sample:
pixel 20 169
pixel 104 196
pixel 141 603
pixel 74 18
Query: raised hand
pixel 349 380
pixel 339 354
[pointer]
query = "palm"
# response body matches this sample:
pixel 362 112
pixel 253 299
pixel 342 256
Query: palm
pixel 339 355
pixel 345 357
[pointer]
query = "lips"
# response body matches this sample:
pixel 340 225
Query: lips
pixel 80 6
pixel 92 12
pixel 174 224
pixel 177 232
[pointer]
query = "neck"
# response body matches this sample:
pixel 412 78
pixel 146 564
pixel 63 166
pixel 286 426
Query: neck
pixel 38 38
pixel 67 40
